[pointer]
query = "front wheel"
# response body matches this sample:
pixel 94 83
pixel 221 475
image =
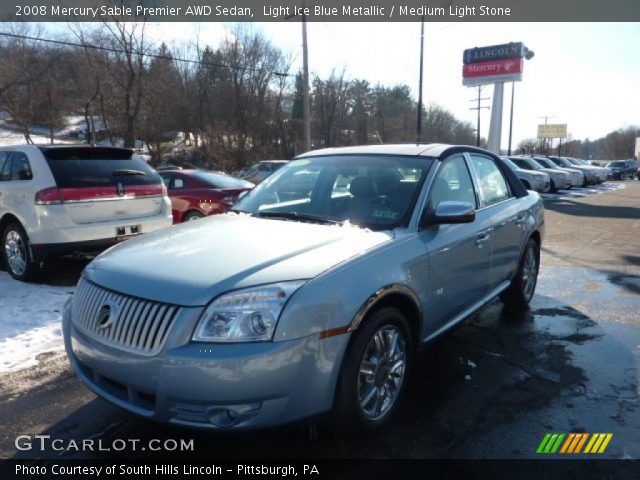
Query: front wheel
pixel 523 285
pixel 191 216
pixel 16 252
pixel 374 370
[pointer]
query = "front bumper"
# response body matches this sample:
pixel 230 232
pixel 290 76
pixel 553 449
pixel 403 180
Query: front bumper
pixel 211 386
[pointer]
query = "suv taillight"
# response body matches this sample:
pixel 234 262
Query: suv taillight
pixel 48 196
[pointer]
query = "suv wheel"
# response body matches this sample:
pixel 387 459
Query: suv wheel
pixel 375 370
pixel 16 251
pixel 553 188
pixel 523 286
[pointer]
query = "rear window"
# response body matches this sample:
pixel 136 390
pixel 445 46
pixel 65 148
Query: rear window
pixel 220 180
pixel 98 167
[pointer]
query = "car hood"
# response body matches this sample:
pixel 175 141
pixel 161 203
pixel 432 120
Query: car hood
pixel 534 174
pixel 191 263
pixel 555 170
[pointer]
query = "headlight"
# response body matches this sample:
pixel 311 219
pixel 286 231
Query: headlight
pixel 247 315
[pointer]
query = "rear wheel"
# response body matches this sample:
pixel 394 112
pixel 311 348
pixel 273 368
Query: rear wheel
pixel 16 251
pixel 192 216
pixel 375 370
pixel 523 285
pixel 553 188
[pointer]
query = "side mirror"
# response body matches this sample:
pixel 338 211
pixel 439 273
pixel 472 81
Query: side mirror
pixel 451 212
pixel 242 195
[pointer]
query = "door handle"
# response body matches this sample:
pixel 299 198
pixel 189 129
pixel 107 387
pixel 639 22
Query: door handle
pixel 481 238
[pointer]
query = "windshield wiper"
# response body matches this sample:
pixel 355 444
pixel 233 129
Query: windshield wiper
pixel 298 216
pixel 125 172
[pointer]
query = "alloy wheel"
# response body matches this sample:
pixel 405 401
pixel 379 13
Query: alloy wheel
pixel 381 372
pixel 15 252
pixel 529 273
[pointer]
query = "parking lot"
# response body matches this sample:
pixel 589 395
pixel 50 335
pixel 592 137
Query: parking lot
pixel 491 388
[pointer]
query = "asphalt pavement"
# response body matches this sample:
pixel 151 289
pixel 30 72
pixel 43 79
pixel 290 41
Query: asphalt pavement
pixel 491 388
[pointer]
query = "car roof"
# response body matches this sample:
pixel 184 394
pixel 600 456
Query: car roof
pixel 433 150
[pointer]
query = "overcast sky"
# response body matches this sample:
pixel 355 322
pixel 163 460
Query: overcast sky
pixel 584 74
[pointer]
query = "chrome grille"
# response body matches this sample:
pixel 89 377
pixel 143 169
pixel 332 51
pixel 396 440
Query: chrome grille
pixel 122 321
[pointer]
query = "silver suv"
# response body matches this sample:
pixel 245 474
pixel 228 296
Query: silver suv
pixel 59 200
pixel 294 306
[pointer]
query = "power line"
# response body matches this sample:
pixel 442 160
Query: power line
pixel 143 54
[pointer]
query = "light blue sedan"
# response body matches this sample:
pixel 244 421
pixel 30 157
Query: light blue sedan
pixel 313 295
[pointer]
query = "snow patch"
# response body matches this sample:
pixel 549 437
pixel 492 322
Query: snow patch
pixel 30 322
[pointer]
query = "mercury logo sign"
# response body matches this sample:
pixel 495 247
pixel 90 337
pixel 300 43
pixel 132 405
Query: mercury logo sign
pixel 105 318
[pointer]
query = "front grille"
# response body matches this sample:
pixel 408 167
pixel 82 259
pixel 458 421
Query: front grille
pixel 121 321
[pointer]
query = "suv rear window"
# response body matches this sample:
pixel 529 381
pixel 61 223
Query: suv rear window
pixel 98 167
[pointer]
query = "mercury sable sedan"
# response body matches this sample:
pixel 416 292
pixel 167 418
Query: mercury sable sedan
pixel 296 305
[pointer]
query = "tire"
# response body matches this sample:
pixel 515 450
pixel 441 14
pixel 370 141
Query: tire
pixel 353 408
pixel 16 253
pixel 553 188
pixel 193 215
pixel 523 285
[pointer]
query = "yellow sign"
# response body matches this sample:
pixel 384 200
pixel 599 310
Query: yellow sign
pixel 552 130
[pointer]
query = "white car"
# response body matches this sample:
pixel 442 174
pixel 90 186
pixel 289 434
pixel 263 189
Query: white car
pixel 73 200
pixel 559 178
pixel 538 181
pixel 575 175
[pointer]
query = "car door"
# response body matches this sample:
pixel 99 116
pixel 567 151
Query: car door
pixel 459 255
pixel 501 209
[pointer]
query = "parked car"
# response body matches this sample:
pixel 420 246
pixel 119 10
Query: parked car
pixel 60 200
pixel 576 176
pixel 261 170
pixel 538 181
pixel 197 193
pixel 602 173
pixel 559 179
pixel 623 169
pixel 287 309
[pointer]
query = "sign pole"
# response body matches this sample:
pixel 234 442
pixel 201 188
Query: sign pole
pixel 495 127
pixel 513 88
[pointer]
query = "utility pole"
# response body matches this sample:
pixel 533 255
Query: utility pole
pixel 306 104
pixel 513 88
pixel 419 122
pixel 478 108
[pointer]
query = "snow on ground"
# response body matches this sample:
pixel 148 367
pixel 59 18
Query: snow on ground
pixel 30 321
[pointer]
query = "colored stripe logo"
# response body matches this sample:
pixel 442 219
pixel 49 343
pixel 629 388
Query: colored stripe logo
pixel 574 443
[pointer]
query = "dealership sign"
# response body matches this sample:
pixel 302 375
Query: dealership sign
pixel 493 64
pixel 552 130
pixel 494 52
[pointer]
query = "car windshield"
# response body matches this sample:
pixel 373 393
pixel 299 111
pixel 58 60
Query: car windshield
pixel 546 162
pixel 522 163
pixel 373 191
pixel 221 180
pixel 511 165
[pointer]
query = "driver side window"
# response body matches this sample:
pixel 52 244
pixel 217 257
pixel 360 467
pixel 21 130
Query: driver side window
pixel 452 183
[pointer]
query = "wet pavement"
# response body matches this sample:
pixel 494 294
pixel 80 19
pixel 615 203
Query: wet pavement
pixel 491 388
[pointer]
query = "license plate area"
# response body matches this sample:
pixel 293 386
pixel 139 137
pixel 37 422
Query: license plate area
pixel 124 233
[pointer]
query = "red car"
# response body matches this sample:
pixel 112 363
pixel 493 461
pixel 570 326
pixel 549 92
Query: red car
pixel 197 193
